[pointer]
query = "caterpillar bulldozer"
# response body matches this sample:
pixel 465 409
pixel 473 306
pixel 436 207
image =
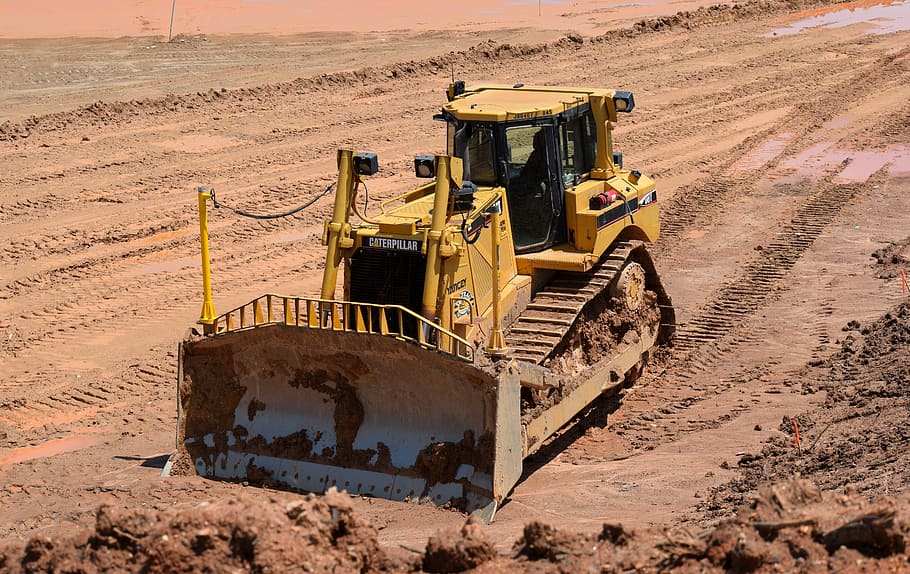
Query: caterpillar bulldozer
pixel 477 314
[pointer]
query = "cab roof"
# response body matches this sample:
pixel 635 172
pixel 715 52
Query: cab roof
pixel 497 103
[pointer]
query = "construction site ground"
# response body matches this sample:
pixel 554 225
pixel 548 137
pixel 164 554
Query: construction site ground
pixel 778 134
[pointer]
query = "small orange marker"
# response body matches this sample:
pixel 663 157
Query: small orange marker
pixel 904 287
pixel 796 430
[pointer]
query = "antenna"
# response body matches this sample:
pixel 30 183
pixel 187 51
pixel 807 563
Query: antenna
pixel 453 71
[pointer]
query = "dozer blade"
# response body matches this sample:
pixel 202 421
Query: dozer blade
pixel 310 409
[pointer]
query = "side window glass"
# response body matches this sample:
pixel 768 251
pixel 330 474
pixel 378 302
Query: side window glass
pixel 474 145
pixel 577 139
pixel 482 167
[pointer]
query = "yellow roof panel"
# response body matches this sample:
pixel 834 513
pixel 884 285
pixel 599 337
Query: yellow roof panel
pixel 501 103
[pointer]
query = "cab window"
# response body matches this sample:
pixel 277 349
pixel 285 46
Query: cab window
pixel 474 145
pixel 577 141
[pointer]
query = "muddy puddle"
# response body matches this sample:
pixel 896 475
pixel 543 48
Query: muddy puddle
pixel 879 18
pixel 50 448
pixel 764 153
pixel 850 166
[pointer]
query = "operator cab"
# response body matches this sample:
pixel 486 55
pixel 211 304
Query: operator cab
pixel 535 156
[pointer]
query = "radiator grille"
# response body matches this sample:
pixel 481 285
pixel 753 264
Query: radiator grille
pixel 387 277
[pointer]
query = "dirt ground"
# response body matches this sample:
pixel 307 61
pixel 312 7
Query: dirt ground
pixel 781 148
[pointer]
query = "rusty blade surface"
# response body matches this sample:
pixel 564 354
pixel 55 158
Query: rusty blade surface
pixel 311 409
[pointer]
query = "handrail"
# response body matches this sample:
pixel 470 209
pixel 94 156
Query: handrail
pixel 333 315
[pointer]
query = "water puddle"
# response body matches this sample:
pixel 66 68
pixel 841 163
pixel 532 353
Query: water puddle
pixel 854 166
pixel 880 18
pixel 50 448
pixel 864 163
pixel 764 153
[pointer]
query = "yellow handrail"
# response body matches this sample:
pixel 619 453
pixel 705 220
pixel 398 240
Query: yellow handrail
pixel 333 315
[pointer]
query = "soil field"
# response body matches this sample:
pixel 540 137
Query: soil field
pixel 778 133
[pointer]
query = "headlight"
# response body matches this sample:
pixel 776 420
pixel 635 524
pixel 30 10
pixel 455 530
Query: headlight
pixel 366 163
pixel 623 101
pixel 424 166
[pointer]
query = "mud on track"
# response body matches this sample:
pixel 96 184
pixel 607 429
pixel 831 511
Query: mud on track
pixel 779 175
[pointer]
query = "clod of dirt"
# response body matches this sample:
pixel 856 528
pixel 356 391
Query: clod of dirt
pixel 614 534
pixel 543 542
pixel 791 526
pixel 891 259
pixel 457 551
pixel 244 535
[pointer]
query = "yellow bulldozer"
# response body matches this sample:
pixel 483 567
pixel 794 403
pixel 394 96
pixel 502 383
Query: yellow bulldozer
pixel 478 314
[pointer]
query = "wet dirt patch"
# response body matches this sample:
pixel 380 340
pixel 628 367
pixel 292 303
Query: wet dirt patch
pixel 848 166
pixel 50 448
pixel 881 17
pixel 764 153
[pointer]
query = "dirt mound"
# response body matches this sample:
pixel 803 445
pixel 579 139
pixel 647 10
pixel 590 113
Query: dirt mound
pixel 458 551
pixel 321 532
pixel 793 525
pixel 892 259
pixel 858 439
pixel 723 13
pixel 113 113
pixel 790 526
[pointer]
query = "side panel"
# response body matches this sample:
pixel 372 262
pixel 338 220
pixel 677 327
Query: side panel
pixel 595 230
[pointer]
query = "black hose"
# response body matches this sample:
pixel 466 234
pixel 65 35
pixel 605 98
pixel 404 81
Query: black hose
pixel 464 232
pixel 244 213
